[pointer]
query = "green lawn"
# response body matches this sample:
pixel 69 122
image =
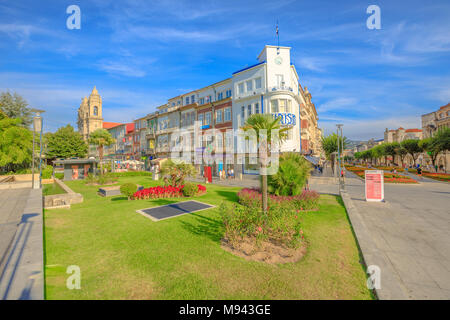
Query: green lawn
pixel 123 255
pixel 51 189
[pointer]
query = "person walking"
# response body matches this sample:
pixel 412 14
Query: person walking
pixel 419 172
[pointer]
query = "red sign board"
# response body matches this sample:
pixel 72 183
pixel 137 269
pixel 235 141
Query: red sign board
pixel 374 185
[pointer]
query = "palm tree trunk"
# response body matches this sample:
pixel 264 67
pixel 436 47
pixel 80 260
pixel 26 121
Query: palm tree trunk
pixel 264 193
pixel 100 155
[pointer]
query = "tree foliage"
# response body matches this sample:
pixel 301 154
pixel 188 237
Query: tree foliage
pixel 293 172
pixel 101 138
pixel 177 172
pixel 15 107
pixel 16 144
pixel 65 143
pixel 261 123
pixel 412 147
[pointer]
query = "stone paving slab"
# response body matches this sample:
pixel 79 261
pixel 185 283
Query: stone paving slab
pixel 22 277
pixel 410 234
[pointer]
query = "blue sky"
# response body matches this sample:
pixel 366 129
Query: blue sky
pixel 140 53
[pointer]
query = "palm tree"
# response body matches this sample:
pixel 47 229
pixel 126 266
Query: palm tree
pixel 266 122
pixel 101 138
pixel 330 146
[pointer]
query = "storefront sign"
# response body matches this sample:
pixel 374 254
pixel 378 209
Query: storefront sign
pixel 287 119
pixel 374 185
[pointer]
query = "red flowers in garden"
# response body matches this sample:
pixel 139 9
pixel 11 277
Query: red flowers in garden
pixel 163 192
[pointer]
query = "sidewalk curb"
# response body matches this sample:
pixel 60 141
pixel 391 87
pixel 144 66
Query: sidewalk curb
pixel 391 286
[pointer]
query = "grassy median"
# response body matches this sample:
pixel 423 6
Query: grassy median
pixel 124 255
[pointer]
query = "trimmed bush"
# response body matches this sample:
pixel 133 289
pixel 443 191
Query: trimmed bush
pixel 128 189
pixel 59 176
pixel 189 189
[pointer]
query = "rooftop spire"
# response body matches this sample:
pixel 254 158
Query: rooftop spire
pixel 94 91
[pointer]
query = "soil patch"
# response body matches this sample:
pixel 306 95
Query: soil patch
pixel 267 251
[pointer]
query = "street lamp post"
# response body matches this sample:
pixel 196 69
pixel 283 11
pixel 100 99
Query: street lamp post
pixel 340 149
pixel 37 127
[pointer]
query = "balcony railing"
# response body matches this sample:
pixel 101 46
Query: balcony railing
pixel 280 88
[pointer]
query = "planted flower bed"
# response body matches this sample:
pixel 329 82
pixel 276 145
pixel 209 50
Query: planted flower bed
pixel 437 176
pixel 388 177
pixel 166 192
pixel 307 200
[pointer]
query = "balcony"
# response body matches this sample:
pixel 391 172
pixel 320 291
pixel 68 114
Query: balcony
pixel 280 88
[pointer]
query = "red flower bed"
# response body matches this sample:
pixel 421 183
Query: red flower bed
pixel 164 192
pixel 437 176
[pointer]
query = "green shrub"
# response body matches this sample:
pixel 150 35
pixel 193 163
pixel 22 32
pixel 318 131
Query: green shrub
pixel 132 173
pixel 292 174
pixel 47 172
pixel 128 189
pixel 281 225
pixel 189 189
pixel 59 175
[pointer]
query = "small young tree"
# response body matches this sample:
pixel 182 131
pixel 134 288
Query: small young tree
pixel 101 138
pixel 330 146
pixel 177 171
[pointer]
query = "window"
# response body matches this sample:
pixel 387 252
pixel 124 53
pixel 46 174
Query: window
pixel 187 100
pixel 249 85
pixel 200 118
pixel 220 96
pixel 274 106
pixel 227 114
pixel 208 118
pixel 280 80
pixel 219 116
pixel 95 111
pixel 202 100
pixel 183 119
pixel 241 88
pixel 219 141
pixel 173 104
pixel 249 110
pixel 257 83
pixel 242 115
pixel 228 93
pixel 282 105
pixel 257 107
pixel 192 99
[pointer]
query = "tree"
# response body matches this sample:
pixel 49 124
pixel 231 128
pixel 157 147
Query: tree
pixel 330 146
pixel 65 143
pixel 265 123
pixel 401 152
pixel 14 106
pixel 177 171
pixel 15 144
pixel 440 142
pixel 391 149
pixel 377 152
pixel 412 147
pixel 101 138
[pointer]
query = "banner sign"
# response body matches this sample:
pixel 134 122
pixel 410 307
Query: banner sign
pixel 286 119
pixel 374 185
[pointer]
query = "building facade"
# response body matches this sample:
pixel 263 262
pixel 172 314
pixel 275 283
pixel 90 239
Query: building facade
pixel 431 123
pixel 90 114
pixel 400 134
pixel 271 86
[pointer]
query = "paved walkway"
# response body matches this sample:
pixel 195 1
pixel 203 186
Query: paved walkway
pixel 407 236
pixel 21 240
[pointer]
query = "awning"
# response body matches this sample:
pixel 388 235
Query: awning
pixel 313 160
